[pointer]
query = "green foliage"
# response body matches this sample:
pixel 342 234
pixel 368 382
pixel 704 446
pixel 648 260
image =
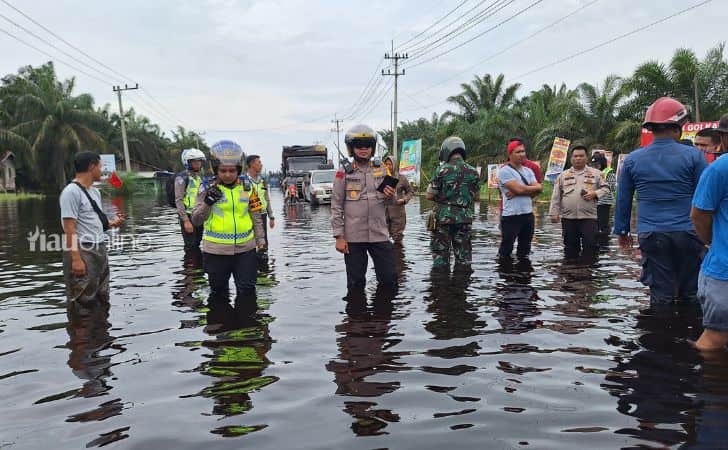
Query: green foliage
pixel 45 123
pixel 488 111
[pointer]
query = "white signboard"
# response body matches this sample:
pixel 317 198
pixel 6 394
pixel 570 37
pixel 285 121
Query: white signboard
pixel 108 164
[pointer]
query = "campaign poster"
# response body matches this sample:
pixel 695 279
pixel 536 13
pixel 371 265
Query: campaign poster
pixel 557 158
pixel 410 160
pixel 493 176
pixel 689 130
pixel 108 164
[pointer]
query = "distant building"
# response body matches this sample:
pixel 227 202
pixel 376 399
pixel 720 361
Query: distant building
pixel 7 172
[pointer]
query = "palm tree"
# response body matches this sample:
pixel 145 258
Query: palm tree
pixel 680 79
pixel 482 94
pixel 54 122
pixel 601 107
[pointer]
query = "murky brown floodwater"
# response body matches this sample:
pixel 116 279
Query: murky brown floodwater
pixel 540 355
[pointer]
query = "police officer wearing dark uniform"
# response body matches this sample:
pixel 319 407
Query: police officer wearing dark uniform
pixel 358 212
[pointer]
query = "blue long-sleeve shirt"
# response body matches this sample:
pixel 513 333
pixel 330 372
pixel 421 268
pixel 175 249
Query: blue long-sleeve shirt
pixel 664 174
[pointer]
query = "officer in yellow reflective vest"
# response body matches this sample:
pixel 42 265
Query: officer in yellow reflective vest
pixel 186 186
pixel 232 232
pixel 255 168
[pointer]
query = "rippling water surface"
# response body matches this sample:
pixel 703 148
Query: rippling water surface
pixel 526 355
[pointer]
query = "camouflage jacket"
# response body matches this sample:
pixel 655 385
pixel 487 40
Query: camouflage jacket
pixel 455 187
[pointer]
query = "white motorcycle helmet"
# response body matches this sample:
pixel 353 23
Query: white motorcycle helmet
pixel 192 154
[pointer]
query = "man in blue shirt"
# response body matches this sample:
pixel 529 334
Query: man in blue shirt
pixel 664 174
pixel 518 185
pixel 710 216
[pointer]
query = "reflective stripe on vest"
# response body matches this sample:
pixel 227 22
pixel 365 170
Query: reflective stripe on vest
pixel 229 221
pixel 606 171
pixel 193 185
pixel 260 187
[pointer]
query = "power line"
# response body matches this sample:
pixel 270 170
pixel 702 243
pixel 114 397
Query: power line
pixel 115 72
pixel 480 17
pixel 512 46
pixel 614 39
pixel 378 100
pixel 54 58
pixel 595 47
pixel 367 100
pixel 65 41
pixel 399 47
pixel 84 63
pixel 362 95
pixel 506 20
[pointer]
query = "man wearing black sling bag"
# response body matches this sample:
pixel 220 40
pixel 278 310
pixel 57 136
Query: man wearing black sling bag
pixel 85 258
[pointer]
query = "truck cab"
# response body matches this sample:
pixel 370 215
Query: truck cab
pixel 319 186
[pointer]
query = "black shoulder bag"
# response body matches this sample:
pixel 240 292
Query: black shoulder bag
pixel 102 217
pixel 525 181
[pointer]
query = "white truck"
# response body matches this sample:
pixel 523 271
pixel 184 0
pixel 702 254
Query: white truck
pixel 318 187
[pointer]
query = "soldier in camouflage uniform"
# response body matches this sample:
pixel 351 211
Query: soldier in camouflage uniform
pixel 454 190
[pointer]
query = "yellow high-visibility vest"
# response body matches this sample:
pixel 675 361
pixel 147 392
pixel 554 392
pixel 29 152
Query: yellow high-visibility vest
pixel 230 221
pixel 193 186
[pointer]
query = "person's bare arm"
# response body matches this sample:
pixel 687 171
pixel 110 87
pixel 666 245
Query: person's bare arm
pixel 519 188
pixel 703 222
pixel 78 267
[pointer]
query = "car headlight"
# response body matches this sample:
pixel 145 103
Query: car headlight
pixel 319 192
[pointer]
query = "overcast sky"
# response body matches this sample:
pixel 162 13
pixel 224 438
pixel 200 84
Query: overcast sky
pixel 281 69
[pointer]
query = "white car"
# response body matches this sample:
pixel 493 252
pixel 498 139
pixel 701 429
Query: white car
pixel 319 187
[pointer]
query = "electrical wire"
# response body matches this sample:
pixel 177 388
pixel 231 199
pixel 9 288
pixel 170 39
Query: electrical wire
pixel 479 18
pixel 504 21
pixel 512 46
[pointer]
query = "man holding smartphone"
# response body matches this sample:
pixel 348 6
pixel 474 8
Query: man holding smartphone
pixel 358 212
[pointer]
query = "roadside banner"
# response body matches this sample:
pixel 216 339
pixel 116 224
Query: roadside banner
pixel 493 176
pixel 557 158
pixel 410 160
pixel 689 130
pixel 108 164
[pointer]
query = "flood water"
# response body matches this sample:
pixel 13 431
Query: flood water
pixel 539 355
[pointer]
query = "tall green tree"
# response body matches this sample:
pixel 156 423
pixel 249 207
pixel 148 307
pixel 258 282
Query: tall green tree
pixel 682 78
pixel 483 93
pixel 55 122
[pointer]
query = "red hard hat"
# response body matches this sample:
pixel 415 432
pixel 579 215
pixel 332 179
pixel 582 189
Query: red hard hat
pixel 666 111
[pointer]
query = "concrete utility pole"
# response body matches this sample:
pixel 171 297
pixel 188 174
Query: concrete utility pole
pixel 124 141
pixel 695 93
pixel 338 123
pixel 338 130
pixel 396 57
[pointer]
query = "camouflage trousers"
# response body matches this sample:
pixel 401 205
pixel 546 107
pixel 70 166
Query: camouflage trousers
pixel 457 236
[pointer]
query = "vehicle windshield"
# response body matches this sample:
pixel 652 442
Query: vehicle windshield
pixel 323 177
pixel 305 163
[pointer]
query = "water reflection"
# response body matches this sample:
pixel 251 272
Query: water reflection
pixel 517 299
pixel 453 316
pixel 365 334
pixel 237 363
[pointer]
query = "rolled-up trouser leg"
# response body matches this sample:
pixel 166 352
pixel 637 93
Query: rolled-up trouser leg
pixel 94 284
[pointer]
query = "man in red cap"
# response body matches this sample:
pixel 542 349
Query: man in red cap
pixel 664 174
pixel 518 185
pixel 534 166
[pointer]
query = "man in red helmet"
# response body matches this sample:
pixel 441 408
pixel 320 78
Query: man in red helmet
pixel 664 174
